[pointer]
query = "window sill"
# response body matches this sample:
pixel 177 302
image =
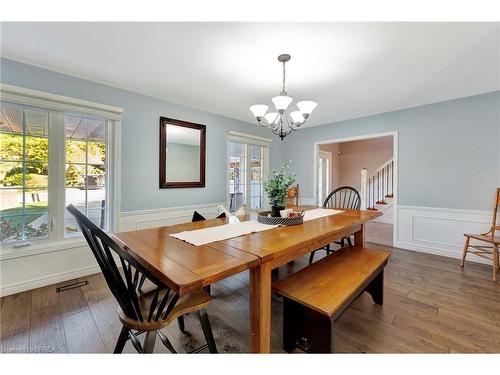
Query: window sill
pixel 41 248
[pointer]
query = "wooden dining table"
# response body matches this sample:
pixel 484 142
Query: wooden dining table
pixel 187 268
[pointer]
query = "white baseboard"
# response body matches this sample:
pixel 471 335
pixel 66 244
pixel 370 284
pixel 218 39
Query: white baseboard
pixel 42 281
pixel 439 230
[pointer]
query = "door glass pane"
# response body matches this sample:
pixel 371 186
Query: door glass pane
pixel 256 172
pixel 24 173
pixel 86 166
pixel 237 175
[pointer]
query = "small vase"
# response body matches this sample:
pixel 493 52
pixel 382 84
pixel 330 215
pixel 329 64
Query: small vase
pixel 276 210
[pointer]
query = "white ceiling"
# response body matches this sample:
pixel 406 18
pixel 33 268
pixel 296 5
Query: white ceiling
pixel 350 69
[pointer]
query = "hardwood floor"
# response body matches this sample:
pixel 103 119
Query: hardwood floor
pixel 430 306
pixel 379 233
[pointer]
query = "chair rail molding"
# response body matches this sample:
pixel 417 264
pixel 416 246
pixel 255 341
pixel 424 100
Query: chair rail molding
pixel 439 231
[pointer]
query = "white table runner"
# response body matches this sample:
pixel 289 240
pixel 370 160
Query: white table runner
pixel 203 236
pixel 319 212
pixel 199 237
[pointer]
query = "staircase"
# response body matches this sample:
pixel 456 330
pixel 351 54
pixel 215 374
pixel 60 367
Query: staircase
pixel 377 191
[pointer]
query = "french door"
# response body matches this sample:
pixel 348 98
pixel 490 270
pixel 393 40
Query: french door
pixel 247 165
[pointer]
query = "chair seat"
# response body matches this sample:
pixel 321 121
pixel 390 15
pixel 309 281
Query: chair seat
pixel 186 304
pixel 481 237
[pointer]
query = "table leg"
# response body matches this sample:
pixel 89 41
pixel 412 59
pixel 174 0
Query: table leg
pixel 260 308
pixel 359 236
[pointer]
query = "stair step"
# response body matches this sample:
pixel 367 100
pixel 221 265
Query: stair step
pixel 380 202
pixel 372 209
pixel 389 196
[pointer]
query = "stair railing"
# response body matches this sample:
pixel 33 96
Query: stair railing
pixel 378 186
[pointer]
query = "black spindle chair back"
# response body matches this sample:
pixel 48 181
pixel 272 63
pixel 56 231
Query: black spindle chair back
pixel 125 286
pixel 343 197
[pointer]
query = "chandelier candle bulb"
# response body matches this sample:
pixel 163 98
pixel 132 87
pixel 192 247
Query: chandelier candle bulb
pixel 283 122
pixel 306 107
pixel 259 110
pixel 297 117
pixel 282 102
pixel 272 117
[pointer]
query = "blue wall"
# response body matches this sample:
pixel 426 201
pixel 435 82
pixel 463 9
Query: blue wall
pixel 140 128
pixel 449 152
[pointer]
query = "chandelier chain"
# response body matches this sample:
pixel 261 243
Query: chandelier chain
pixel 284 75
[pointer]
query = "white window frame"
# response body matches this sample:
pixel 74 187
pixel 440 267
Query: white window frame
pixel 57 106
pixel 249 139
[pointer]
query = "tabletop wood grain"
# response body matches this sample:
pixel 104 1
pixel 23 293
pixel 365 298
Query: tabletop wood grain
pixel 186 268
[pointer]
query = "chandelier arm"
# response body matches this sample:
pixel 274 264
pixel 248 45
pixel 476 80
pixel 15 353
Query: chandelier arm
pixel 263 125
pixel 290 123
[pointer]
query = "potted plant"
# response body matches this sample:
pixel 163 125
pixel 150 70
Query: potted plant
pixel 276 188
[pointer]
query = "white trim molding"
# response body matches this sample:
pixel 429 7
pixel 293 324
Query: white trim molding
pixel 248 138
pixel 439 230
pixel 21 95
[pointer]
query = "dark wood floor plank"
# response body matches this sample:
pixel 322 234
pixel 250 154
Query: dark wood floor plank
pixel 104 310
pixel 15 323
pixel 72 300
pixel 431 306
pixel 46 330
pixel 81 333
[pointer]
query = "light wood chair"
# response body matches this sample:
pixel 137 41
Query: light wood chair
pixel 292 198
pixel 489 251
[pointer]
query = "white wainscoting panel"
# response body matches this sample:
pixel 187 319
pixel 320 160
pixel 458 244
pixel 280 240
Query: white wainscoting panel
pixel 136 220
pixel 20 273
pixel 439 230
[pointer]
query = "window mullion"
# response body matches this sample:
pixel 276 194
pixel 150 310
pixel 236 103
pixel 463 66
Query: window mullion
pixel 248 177
pixel 57 189
pixel 265 174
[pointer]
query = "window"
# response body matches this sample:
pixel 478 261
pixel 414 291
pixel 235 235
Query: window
pixel 85 170
pixel 247 165
pixel 24 169
pixel 49 159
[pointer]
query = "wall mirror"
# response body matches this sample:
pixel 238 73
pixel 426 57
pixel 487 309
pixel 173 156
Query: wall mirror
pixel 182 154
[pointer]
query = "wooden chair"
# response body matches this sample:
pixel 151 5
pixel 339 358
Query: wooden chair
pixel 489 251
pixel 292 198
pixel 342 197
pixel 141 312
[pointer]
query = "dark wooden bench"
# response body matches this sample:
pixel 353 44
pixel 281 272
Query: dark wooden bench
pixel 316 296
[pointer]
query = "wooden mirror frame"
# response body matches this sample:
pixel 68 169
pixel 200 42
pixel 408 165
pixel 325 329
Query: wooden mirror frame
pixel 164 184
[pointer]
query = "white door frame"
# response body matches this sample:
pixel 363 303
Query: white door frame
pixel 394 135
pixel 328 155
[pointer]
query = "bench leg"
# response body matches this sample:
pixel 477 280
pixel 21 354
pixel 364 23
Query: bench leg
pixel 376 288
pixel 306 329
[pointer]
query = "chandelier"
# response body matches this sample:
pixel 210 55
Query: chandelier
pixel 282 122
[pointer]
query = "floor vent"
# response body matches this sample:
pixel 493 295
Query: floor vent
pixel 71 286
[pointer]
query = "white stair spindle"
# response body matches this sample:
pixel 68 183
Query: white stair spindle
pixel 364 189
